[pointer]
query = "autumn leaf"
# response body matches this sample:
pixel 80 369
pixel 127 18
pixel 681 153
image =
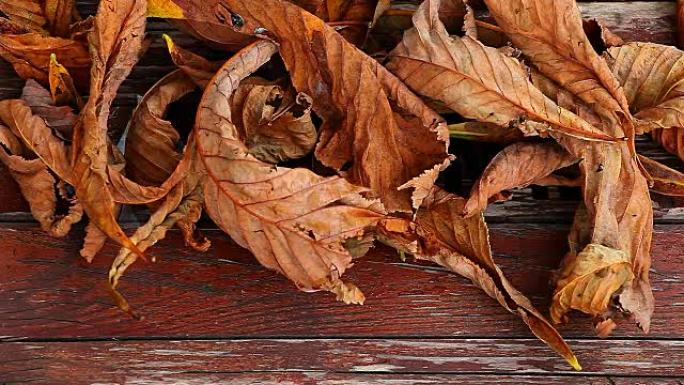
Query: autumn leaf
pixel 25 14
pixel 666 180
pixel 587 280
pixel 29 54
pixel 60 118
pixel 440 234
pixel 62 86
pixel 518 165
pixel 275 122
pixel 198 68
pixel 370 119
pixel 672 140
pixel 58 14
pixel 449 69
pixel 292 220
pixel 115 41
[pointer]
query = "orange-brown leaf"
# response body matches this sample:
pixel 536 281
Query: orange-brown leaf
pixel 292 220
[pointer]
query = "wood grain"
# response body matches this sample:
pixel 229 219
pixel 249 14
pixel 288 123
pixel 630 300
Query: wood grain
pixel 110 361
pixel 48 292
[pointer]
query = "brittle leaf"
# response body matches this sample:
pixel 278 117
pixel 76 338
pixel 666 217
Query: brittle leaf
pixel 292 220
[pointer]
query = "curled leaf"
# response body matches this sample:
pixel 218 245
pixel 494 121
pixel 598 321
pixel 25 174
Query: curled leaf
pixel 62 86
pixel 276 122
pixel 666 181
pixel 370 119
pixel 29 54
pixel 440 234
pixel 518 165
pixel 292 220
pixel 198 68
pixel 588 280
pixel 478 82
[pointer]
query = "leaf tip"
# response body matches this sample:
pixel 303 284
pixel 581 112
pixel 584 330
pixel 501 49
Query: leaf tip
pixel 169 42
pixel 164 8
pixel 575 363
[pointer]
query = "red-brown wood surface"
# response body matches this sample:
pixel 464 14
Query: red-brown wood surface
pixel 220 318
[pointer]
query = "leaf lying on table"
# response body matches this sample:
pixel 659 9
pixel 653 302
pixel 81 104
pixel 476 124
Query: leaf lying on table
pixel 291 219
pixel 447 69
pixel 369 116
pixel 440 234
pixel 243 159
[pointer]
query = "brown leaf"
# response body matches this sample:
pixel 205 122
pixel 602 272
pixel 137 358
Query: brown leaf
pixel 292 220
pixel 59 15
pixel 116 40
pixel 29 54
pixel 216 35
pixel 198 68
pixel 275 122
pixel 451 70
pixel 25 13
pixel 651 75
pixel 441 235
pixel 588 280
pixel 62 86
pixel 37 137
pixel 616 197
pixel 518 165
pixel 370 119
pixel 551 35
pixel 484 132
pixel 666 181
pixel 38 186
pixel 152 154
pixel 61 119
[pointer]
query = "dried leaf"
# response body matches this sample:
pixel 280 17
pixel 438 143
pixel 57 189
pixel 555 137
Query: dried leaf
pixel 588 280
pixel 59 15
pixel 518 165
pixel 62 86
pixel 370 119
pixel 292 220
pixel 550 33
pixel 651 75
pixel 451 70
pixel 441 235
pixel 29 54
pixel 198 68
pixel 25 13
pixel 275 122
pixel 484 132
pixel 115 43
pixel 666 181
pixel 672 140
pixel 38 186
pixel 61 119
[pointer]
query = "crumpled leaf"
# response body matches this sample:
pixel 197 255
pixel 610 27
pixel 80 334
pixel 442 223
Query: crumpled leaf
pixel 25 13
pixel 478 82
pixel 588 280
pixel 484 132
pixel 58 14
pixel 29 54
pixel 62 86
pixel 152 142
pixel 275 122
pixel 370 119
pixel 441 235
pixel 198 68
pixel 616 198
pixel 550 33
pixel 292 220
pixel 60 118
pixel 666 181
pixel 38 186
pixel 518 165
pixel 116 40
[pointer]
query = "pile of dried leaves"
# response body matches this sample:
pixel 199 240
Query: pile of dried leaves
pixel 534 81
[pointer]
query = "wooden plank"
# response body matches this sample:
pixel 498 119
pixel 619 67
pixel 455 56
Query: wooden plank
pixel 48 292
pixel 321 378
pixel 109 361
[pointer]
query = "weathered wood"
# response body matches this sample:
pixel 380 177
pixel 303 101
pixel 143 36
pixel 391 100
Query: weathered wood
pixel 48 292
pixel 109 361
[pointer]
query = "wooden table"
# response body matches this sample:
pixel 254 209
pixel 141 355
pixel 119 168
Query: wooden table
pixel 221 318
